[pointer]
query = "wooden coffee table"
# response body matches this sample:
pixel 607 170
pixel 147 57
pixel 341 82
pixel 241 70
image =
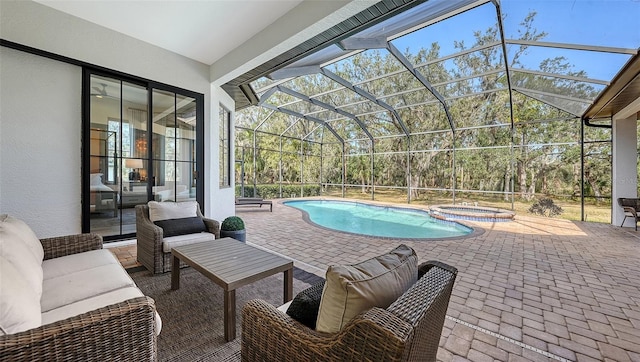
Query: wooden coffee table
pixel 231 264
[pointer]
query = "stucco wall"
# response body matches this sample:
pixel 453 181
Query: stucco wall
pixel 40 117
pixel 40 129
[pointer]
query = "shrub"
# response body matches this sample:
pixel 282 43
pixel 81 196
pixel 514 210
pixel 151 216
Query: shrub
pixel 545 207
pixel 232 223
pixel 272 191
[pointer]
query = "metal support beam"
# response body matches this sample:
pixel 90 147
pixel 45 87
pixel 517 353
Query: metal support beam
pixel 344 168
pixel 373 196
pixel 286 73
pixel 264 120
pixel 309 118
pixel 345 83
pixel 321 104
pixel 255 173
pixel 582 172
pixel 409 170
pixel 280 171
pixel 407 64
pixel 496 3
pixel 321 167
pixel 353 43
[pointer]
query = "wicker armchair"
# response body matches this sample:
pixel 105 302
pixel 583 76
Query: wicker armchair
pixel 149 240
pixel 124 331
pixel 630 208
pixel 409 330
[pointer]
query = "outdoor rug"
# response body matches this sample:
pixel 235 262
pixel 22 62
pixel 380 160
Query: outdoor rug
pixel 192 316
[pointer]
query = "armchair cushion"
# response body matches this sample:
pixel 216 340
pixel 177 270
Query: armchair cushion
pixel 173 241
pixel 377 282
pixel 304 307
pixel 182 226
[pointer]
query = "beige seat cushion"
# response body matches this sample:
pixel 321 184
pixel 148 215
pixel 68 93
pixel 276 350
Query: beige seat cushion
pixel 377 282
pixel 53 268
pixel 73 287
pixel 93 303
pixel 173 241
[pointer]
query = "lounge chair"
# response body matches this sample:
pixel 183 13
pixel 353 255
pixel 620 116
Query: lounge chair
pixel 630 208
pixel 254 201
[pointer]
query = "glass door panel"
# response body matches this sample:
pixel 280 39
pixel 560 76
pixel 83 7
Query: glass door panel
pixel 104 149
pixel 185 148
pixel 117 148
pixel 137 152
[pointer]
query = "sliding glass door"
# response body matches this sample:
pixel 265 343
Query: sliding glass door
pixel 174 151
pixel 142 142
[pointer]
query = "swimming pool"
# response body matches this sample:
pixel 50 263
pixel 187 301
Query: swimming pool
pixel 381 221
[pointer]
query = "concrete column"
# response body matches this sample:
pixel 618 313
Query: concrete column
pixel 625 179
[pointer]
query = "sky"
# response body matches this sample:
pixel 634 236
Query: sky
pixel 611 23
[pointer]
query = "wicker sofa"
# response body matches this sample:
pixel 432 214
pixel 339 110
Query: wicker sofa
pixel 408 330
pixel 89 308
pixel 154 247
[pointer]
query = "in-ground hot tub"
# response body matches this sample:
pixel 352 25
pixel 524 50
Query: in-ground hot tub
pixel 473 213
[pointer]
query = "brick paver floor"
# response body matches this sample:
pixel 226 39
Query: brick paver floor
pixel 533 289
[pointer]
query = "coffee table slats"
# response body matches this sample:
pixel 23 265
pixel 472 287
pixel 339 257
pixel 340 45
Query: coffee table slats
pixel 231 264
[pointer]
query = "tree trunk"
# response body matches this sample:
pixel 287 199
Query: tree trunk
pixel 522 180
pixel 507 185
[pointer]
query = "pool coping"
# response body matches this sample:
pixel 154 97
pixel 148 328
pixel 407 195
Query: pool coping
pixel 452 211
pixel 475 230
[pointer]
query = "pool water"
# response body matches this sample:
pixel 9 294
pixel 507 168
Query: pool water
pixel 382 221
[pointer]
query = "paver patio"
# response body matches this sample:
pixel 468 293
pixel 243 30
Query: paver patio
pixel 534 289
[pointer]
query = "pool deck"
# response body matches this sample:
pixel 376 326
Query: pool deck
pixel 533 289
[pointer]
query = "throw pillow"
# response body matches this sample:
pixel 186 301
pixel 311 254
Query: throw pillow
pixel 304 307
pixel 18 228
pixel 18 248
pixel 19 305
pixel 187 225
pixel 172 210
pixel 352 289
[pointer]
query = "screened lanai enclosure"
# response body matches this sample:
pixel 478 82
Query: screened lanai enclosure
pixel 478 102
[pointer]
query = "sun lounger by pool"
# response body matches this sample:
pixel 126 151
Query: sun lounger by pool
pixel 256 201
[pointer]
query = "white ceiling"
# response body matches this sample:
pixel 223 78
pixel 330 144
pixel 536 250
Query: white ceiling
pixel 201 30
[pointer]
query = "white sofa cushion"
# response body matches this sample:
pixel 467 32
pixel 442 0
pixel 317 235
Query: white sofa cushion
pixel 53 268
pixel 75 286
pixel 377 282
pixel 19 304
pixel 172 210
pixel 95 302
pixel 173 241
pixel 21 229
pixel 17 251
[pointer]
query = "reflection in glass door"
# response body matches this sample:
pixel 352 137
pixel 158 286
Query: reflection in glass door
pixel 174 146
pixel 118 153
pixel 143 144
